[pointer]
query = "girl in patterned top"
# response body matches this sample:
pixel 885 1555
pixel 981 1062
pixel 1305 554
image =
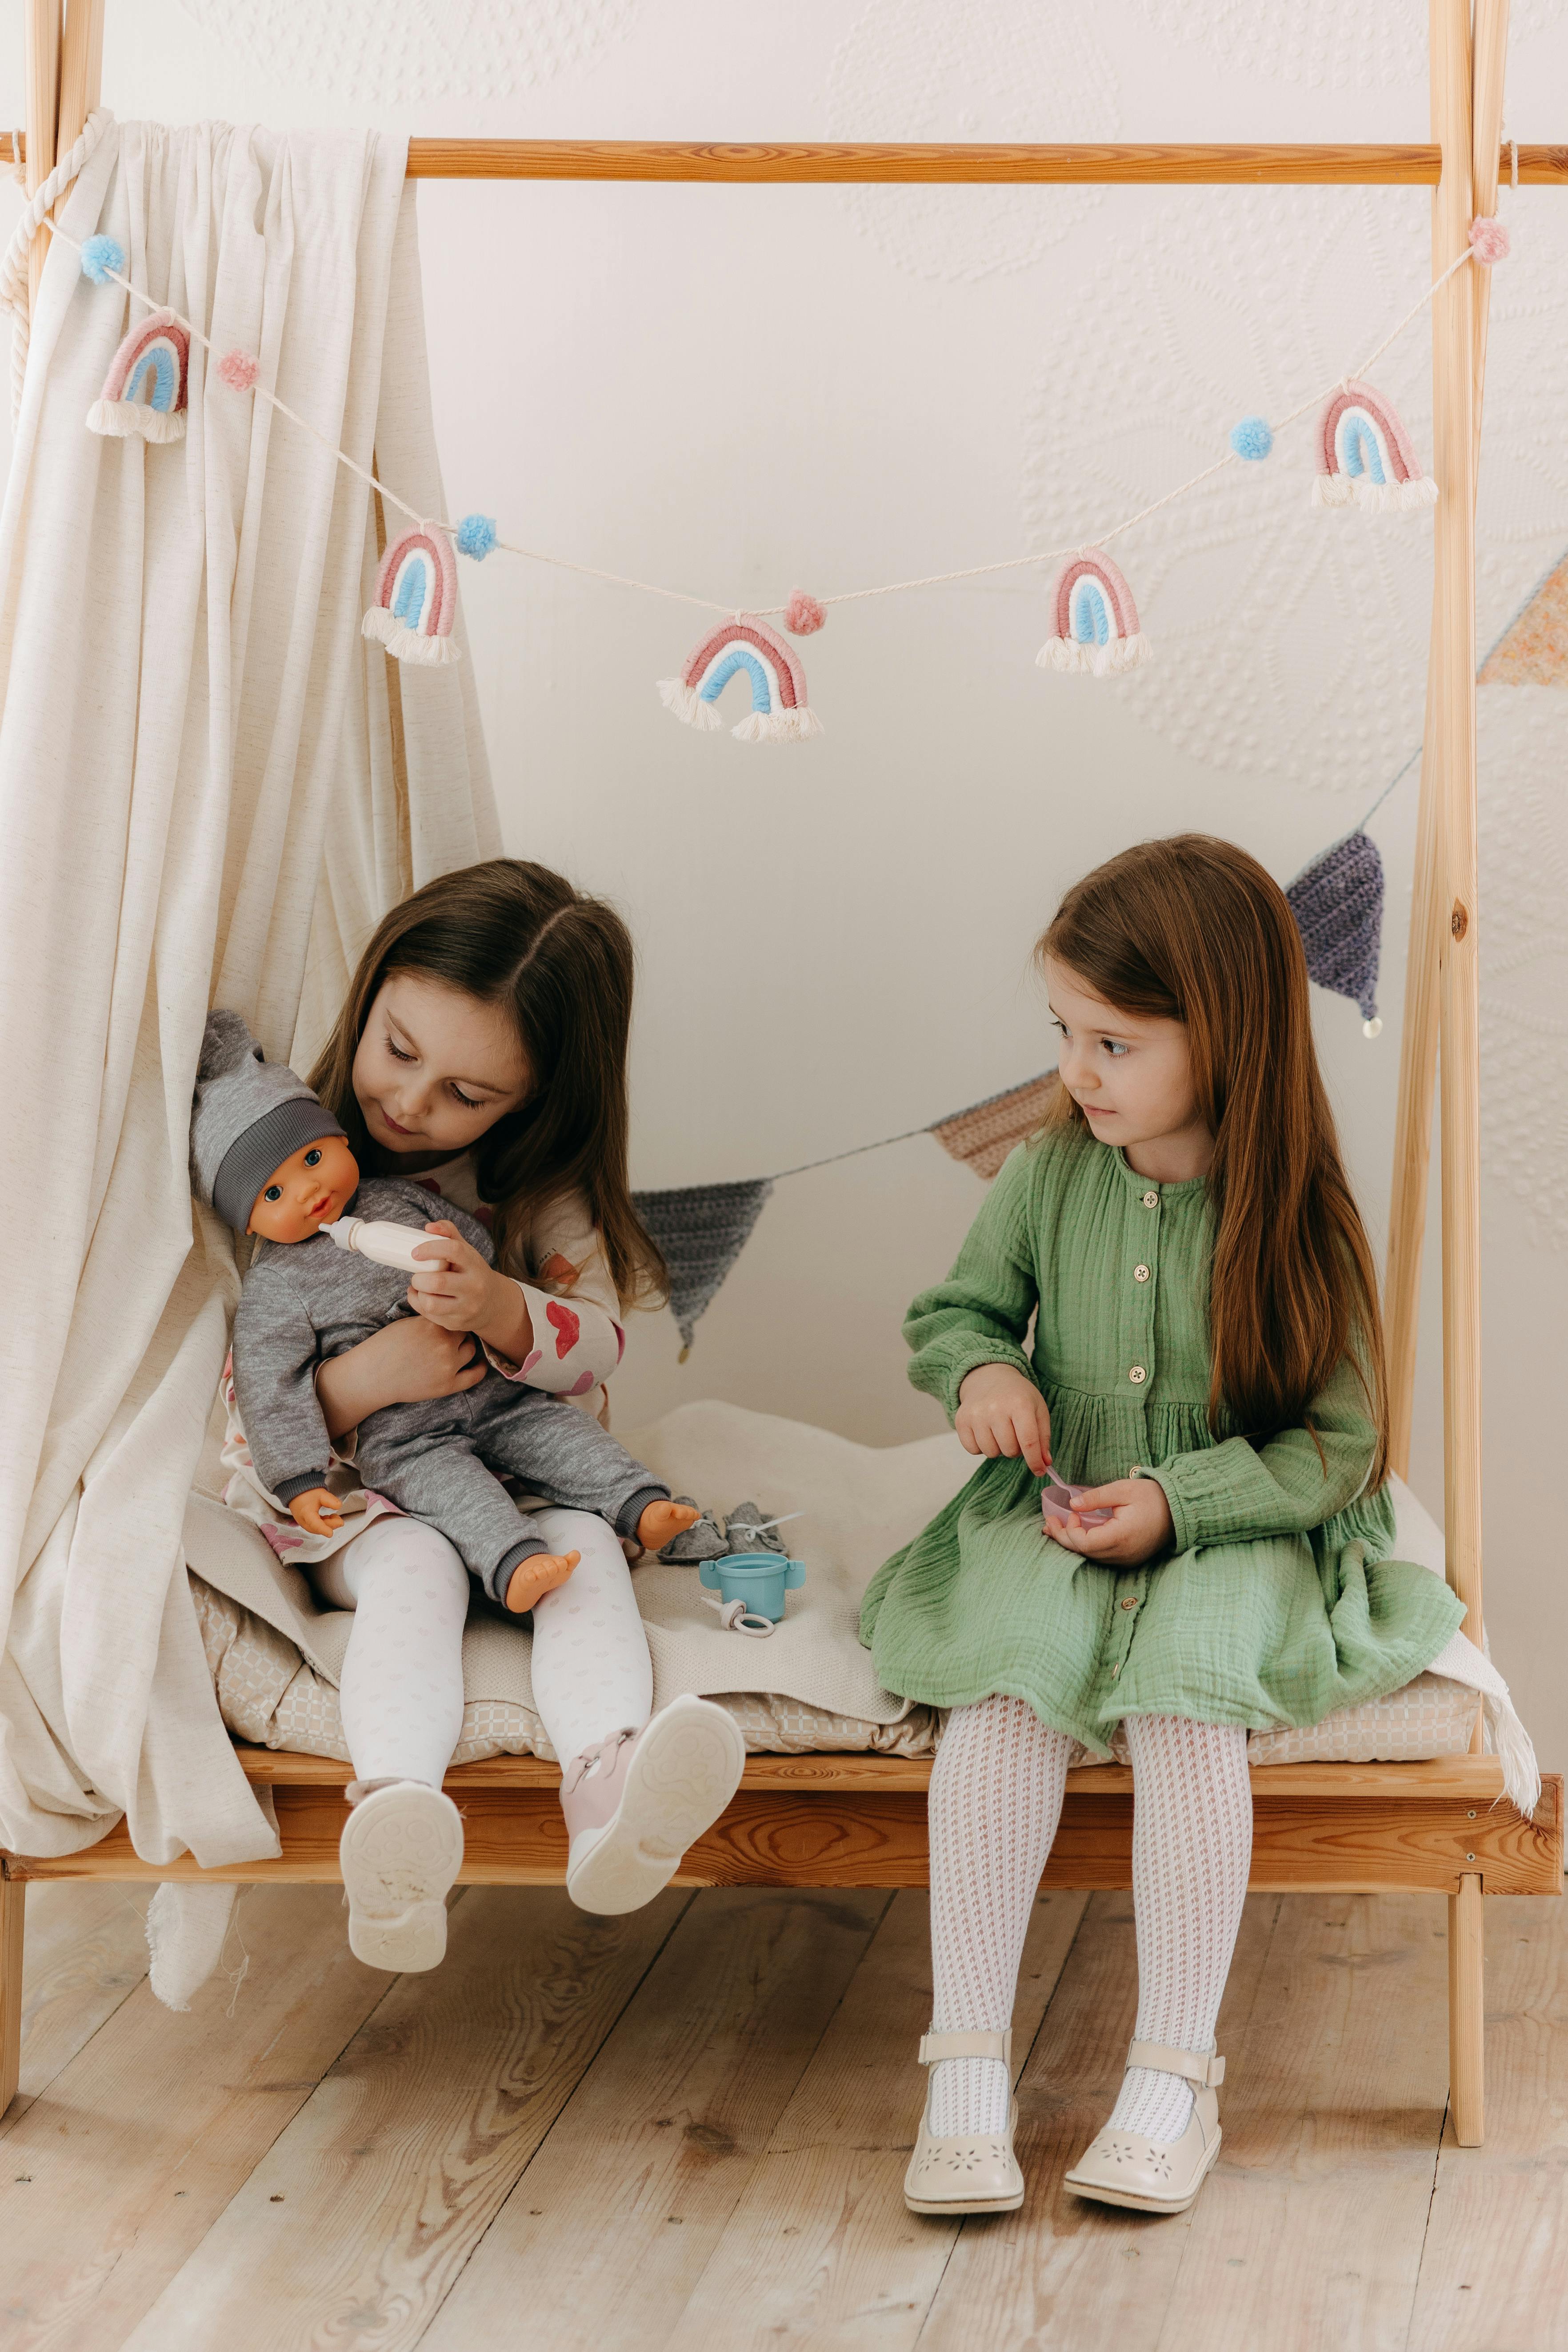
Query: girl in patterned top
pixel 481 1051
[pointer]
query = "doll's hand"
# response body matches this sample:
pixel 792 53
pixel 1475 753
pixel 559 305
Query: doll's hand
pixel 318 1511
pixel 455 1288
pixel 1139 1529
pixel 1001 1413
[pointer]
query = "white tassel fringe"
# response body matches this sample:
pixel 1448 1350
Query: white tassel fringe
pixel 121 420
pixel 684 702
pixel 1095 661
pixel 188 1927
pixel 407 644
pixel 1461 1661
pixel 1376 498
pixel 795 725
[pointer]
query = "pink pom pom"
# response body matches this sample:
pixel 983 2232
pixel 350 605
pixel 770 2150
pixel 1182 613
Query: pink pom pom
pixel 238 370
pixel 803 613
pixel 1488 241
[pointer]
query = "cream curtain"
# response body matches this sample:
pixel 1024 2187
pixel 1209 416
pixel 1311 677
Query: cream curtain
pixel 210 788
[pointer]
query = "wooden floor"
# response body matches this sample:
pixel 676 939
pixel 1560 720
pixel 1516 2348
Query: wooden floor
pixel 688 2128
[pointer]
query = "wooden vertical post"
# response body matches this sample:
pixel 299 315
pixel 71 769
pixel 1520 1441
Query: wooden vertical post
pixel 43 107
pixel 81 69
pixel 13 1915
pixel 1466 1978
pixel 1430 907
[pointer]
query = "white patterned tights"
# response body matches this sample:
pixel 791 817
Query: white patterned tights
pixel 402 1689
pixel 995 1799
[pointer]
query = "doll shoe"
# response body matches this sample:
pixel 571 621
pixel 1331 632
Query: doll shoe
pixel 400 1849
pixel 1155 2175
pixel 975 2172
pixel 637 1801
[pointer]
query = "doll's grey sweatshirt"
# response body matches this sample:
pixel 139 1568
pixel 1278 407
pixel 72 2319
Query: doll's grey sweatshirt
pixel 303 1302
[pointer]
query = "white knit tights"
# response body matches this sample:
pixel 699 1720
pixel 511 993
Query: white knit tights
pixel 402 1692
pixel 402 1687
pixel 996 1797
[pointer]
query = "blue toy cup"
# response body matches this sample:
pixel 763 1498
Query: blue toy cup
pixel 759 1579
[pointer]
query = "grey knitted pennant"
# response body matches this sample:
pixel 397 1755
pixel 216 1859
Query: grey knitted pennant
pixel 701 1229
pixel 1337 902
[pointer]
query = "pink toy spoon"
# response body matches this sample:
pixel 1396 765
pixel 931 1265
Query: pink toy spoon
pixel 1057 1500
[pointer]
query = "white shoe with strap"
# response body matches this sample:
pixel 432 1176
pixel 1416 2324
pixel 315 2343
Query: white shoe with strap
pixel 974 2172
pixel 1154 2176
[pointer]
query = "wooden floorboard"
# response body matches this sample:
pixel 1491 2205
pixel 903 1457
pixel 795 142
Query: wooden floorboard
pixel 354 2225
pixel 1062 2273
pixel 615 2219
pixel 821 2250
pixel 1310 2232
pixel 1495 2276
pixel 118 2168
pixel 86 1953
pixel 689 2128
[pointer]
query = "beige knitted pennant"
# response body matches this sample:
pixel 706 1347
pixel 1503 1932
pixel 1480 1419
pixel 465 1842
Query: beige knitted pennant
pixel 983 1135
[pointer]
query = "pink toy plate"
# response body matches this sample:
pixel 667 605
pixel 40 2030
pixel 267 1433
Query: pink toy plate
pixel 1058 1500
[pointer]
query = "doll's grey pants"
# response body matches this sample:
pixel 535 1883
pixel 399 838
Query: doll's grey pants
pixel 437 1460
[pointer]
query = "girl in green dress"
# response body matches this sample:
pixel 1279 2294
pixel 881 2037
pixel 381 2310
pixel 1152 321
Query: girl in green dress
pixel 1168 1298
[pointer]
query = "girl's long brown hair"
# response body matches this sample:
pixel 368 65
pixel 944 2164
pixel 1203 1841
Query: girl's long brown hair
pixel 1193 929
pixel 517 935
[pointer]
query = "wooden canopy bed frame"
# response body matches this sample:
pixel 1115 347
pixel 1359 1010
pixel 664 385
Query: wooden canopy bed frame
pixel 855 1820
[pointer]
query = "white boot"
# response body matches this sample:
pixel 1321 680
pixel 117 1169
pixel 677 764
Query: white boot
pixel 637 1801
pixel 400 1849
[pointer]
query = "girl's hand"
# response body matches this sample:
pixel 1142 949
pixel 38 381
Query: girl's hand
pixel 403 1363
pixel 455 1288
pixel 1140 1527
pixel 1001 1413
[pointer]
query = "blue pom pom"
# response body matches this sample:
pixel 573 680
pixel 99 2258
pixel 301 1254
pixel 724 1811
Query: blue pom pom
pixel 99 254
pixel 475 535
pixel 1251 438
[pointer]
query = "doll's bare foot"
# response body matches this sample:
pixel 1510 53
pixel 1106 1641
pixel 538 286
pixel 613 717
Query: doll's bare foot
pixel 662 1522
pixel 539 1573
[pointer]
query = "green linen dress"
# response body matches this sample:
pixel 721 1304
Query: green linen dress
pixel 1278 1603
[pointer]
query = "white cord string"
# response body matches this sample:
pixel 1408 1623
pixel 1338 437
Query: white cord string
pixel 677 595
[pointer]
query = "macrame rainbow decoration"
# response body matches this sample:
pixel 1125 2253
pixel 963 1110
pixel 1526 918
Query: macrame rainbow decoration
pixel 416 599
pixel 1096 620
pixel 744 647
pixel 1365 457
pixel 144 391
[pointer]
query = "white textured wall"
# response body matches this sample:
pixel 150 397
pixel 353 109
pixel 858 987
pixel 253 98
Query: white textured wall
pixel 738 391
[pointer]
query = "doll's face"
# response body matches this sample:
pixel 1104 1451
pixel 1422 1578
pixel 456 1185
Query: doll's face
pixel 310 1189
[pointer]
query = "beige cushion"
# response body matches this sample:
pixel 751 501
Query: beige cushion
pixel 276 1654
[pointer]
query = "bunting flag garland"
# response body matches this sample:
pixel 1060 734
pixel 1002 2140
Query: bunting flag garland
pixel 701 1229
pixel 1337 902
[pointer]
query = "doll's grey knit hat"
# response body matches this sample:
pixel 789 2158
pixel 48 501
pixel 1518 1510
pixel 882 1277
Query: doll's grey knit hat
pixel 248 1117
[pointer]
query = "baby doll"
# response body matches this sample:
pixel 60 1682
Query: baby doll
pixel 273 1163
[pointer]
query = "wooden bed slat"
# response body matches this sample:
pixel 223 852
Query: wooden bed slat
pixel 823 1821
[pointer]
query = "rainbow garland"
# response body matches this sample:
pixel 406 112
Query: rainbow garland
pixel 1366 458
